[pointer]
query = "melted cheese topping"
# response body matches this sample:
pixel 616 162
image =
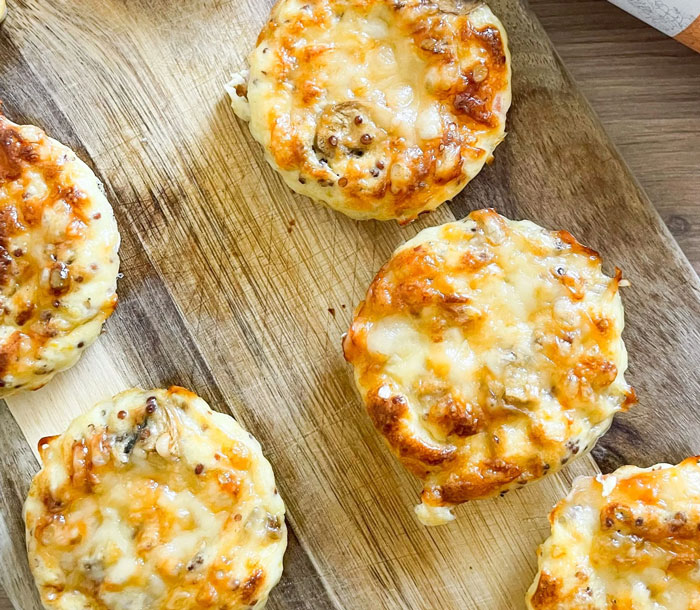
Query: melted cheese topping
pixel 625 541
pixel 152 500
pixel 489 352
pixel 58 257
pixel 378 108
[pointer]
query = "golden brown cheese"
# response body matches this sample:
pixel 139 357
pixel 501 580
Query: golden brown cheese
pixel 378 108
pixel 152 500
pixel 58 257
pixel 629 540
pixel 488 353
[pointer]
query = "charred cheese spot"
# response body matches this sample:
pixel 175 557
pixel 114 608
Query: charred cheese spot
pixel 377 108
pixel 630 539
pixel 152 500
pixel 58 257
pixel 479 363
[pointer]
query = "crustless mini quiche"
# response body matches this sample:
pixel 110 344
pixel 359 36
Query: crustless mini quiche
pixel 153 501
pixel 377 108
pixel 629 540
pixel 489 353
pixel 58 257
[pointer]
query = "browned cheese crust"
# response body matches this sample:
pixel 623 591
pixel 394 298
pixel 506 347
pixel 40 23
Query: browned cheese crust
pixel 378 108
pixel 629 540
pixel 58 257
pixel 153 501
pixel 489 353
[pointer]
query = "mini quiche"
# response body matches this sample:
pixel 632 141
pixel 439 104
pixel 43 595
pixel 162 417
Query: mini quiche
pixel 152 500
pixel 58 257
pixel 629 540
pixel 377 108
pixel 489 353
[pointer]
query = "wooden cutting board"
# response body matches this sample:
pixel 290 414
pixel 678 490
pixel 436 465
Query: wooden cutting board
pixel 240 290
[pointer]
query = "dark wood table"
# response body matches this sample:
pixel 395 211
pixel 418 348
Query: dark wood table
pixel 646 89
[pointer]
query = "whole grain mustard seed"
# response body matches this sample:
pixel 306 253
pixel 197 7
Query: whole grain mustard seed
pixel 151 404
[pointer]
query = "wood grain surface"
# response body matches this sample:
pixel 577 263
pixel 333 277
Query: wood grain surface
pixel 645 88
pixel 224 294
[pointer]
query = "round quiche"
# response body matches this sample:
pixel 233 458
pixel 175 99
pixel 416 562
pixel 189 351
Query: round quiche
pixel 58 257
pixel 152 500
pixel 489 353
pixel 377 108
pixel 629 540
